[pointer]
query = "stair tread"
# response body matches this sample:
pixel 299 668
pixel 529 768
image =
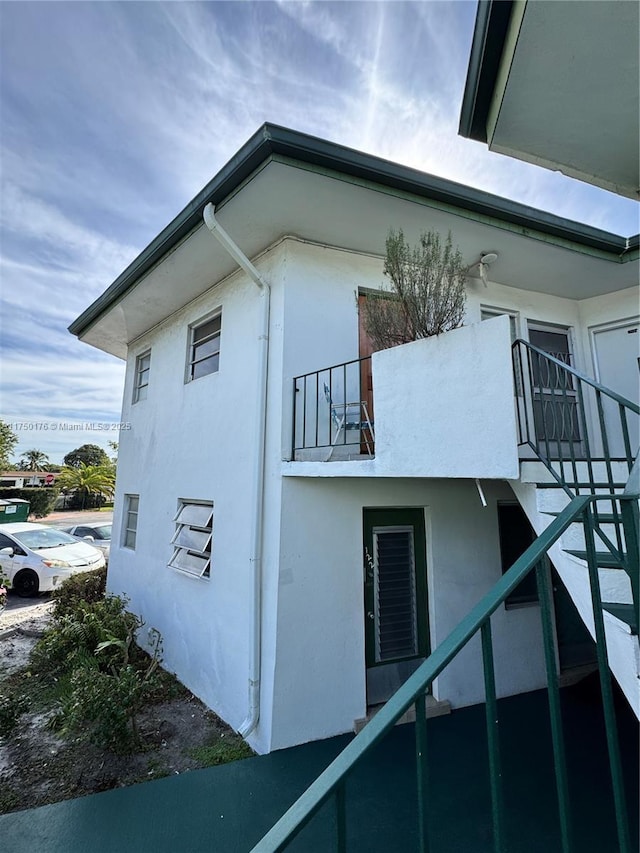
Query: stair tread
pixel 603 517
pixel 604 559
pixel 624 612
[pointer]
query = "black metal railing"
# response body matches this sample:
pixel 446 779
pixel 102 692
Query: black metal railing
pixel 332 783
pixel 587 437
pixel 333 407
pixel 576 426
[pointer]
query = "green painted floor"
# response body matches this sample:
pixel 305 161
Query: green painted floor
pixel 227 809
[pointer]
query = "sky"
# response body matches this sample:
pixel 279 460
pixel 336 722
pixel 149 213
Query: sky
pixel 113 115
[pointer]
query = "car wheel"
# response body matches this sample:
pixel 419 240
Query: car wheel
pixel 26 584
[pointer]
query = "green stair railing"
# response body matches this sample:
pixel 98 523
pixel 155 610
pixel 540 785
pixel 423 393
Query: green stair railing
pixel 332 782
pixel 580 430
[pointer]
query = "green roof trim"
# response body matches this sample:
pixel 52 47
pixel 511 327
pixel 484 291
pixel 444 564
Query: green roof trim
pixel 489 35
pixel 272 140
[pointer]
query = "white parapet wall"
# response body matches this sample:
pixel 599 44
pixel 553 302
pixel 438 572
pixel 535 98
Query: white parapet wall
pixel 444 406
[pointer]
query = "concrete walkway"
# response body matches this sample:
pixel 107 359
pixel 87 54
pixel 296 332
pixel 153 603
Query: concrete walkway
pixel 227 809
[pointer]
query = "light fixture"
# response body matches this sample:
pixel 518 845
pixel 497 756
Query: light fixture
pixel 481 267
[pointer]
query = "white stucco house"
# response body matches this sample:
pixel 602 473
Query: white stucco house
pixel 330 515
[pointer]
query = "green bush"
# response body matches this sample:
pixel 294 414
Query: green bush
pixel 41 500
pixel 11 709
pixel 91 647
pixel 87 587
pixel 100 631
pixel 103 707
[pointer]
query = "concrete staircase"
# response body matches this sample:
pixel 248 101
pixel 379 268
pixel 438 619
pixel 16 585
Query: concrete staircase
pixel 542 499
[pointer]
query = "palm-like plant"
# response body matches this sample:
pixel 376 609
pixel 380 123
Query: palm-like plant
pixel 88 480
pixel 34 460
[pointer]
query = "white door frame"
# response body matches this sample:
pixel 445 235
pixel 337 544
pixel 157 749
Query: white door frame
pixel 606 327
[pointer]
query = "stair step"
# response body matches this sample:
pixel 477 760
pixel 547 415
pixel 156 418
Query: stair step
pixel 604 559
pixel 617 487
pixel 603 517
pixel 623 612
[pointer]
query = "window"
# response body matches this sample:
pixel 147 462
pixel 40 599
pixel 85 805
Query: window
pixel 487 313
pixel 130 521
pixel 192 539
pixel 141 382
pixel 516 534
pixel 204 348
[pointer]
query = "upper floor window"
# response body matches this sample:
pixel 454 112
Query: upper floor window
pixel 141 381
pixel 204 348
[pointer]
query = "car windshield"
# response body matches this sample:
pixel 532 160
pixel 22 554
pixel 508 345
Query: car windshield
pixel 44 537
pixel 104 531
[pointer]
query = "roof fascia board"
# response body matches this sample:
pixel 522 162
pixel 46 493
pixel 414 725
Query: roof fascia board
pixel 489 35
pixel 271 140
pixel 506 61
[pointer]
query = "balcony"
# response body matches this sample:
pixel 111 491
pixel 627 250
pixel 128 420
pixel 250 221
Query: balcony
pixel 439 407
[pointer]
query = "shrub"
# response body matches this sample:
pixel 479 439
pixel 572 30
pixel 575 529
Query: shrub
pixel 41 500
pixel 427 296
pixel 77 636
pixel 103 707
pixel 87 587
pixel 11 709
pixel 108 678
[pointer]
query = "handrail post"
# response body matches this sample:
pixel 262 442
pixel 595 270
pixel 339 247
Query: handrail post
pixel 555 709
pixel 493 740
pixel 293 420
pixel 422 772
pixel 617 783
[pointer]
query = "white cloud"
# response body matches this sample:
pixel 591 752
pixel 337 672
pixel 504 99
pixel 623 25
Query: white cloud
pixel 116 114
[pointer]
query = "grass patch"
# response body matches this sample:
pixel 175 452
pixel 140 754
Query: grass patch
pixel 227 748
pixel 9 799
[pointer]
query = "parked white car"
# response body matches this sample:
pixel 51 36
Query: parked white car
pixel 37 558
pixel 98 535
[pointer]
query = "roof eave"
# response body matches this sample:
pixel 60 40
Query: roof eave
pixel 489 35
pixel 274 140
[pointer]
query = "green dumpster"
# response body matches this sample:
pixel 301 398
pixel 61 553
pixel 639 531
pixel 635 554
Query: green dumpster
pixel 13 510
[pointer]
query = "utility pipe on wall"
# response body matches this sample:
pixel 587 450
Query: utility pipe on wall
pixel 255 627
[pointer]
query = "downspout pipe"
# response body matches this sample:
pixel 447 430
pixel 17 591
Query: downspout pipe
pixel 255 626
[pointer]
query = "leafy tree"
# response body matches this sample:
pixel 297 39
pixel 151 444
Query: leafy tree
pixel 89 480
pixel 88 454
pixel 427 296
pixel 8 440
pixel 34 460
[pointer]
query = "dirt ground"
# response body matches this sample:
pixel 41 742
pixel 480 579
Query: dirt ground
pixel 38 766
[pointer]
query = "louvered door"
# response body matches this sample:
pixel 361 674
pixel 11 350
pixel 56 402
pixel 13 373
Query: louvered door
pixel 395 598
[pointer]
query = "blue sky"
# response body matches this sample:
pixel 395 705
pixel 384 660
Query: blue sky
pixel 114 115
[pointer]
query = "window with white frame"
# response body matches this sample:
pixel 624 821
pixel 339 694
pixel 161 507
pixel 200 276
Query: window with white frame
pixel 488 313
pixel 192 538
pixel 204 348
pixel 130 525
pixel 141 380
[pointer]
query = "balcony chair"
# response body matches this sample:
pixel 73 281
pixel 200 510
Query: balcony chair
pixel 352 415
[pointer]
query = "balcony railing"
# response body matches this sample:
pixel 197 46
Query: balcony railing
pixel 333 409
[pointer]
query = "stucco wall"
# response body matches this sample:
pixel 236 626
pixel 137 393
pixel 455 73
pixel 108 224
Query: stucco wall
pixel 197 440
pixel 444 405
pixel 320 668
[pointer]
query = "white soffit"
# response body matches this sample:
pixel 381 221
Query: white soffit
pixel 571 100
pixel 284 199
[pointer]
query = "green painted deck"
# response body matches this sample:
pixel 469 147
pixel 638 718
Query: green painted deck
pixel 227 809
